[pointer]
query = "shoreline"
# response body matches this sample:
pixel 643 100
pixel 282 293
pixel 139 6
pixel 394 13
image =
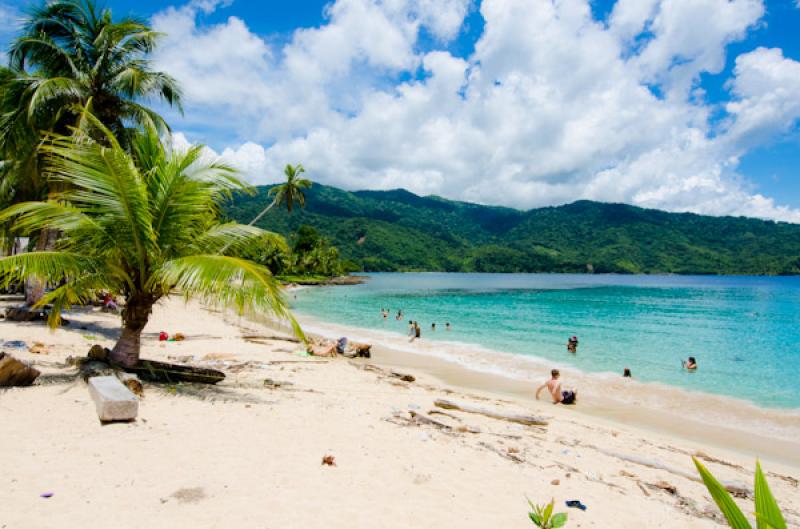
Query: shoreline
pixel 655 407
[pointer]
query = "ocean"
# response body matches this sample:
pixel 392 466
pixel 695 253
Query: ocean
pixel 744 331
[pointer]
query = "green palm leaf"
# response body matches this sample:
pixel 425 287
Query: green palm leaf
pixel 722 498
pixel 768 514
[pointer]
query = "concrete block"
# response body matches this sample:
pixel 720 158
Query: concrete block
pixel 114 402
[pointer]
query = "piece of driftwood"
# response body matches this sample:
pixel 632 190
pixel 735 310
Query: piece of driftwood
pixel 528 420
pixel 258 338
pixel 15 373
pixel 402 376
pixel 113 401
pixel 507 455
pixel 98 352
pixel 94 368
pixel 275 384
pixel 154 371
pixel 132 382
pixel 736 488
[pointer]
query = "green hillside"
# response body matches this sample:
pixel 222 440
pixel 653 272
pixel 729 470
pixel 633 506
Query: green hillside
pixel 399 231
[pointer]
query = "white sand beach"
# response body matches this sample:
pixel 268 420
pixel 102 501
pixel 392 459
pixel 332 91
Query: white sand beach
pixel 241 455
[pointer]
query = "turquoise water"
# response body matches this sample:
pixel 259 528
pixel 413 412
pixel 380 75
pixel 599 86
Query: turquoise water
pixel 744 331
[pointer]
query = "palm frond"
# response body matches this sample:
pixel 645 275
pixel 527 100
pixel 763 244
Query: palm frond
pixel 45 266
pixel 228 281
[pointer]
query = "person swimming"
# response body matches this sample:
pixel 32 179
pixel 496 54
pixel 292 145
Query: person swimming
pixel 558 395
pixel 690 364
pixel 447 326
pixel 572 344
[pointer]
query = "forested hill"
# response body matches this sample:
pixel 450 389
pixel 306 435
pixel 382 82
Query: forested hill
pixel 400 231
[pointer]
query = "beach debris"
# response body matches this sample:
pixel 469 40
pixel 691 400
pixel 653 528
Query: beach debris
pixel 46 495
pixel 502 453
pixel 575 504
pixel 402 376
pixel 665 486
pixel 329 460
pixel 188 495
pixel 15 344
pixel 98 352
pixel 38 348
pixel 113 401
pixel 25 314
pixel 738 489
pixel 444 413
pixel 163 336
pixel 154 371
pixel 261 339
pixel 132 382
pixel 528 420
pixel 15 373
pixel 556 482
pixel 641 487
pixel 711 459
pixel 275 384
pixel 178 337
pixel 93 368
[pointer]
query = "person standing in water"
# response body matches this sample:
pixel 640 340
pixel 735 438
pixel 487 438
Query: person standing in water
pixel 433 326
pixel 417 331
pixel 690 364
pixel 411 331
pixel 572 344
pixel 553 387
pixel 447 326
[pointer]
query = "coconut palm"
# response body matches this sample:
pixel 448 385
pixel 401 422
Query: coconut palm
pixel 289 192
pixel 141 223
pixel 71 56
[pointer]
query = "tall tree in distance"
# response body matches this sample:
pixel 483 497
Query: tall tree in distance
pixel 289 192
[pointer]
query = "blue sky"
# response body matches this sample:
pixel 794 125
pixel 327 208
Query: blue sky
pixel 743 155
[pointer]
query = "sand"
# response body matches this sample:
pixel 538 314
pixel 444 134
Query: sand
pixel 239 455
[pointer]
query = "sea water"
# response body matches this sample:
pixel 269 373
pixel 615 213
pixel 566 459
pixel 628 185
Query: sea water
pixel 744 331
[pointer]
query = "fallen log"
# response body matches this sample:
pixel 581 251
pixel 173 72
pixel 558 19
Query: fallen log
pixel 94 368
pixel 132 382
pixel 528 420
pixel 736 488
pixel 113 401
pixel 154 371
pixel 15 373
pixel 257 338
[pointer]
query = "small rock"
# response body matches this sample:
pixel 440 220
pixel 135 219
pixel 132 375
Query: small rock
pixel 555 482
pixel 329 460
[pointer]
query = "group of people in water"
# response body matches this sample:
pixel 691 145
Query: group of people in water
pixel 553 385
pixel 561 396
pixel 414 330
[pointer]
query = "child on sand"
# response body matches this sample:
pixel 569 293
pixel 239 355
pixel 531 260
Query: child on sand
pixel 554 388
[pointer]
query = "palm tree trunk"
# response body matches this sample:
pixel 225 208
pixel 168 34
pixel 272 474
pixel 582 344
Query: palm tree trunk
pixel 34 289
pixel 135 315
pixel 264 212
pixel 258 217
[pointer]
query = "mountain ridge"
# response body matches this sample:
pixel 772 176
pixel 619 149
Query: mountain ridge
pixel 396 230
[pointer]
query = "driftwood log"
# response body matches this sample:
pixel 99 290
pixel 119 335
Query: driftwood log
pixel 154 371
pixel 735 488
pixel 15 373
pixel 528 420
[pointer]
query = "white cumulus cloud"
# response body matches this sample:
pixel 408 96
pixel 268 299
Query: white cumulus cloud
pixel 551 107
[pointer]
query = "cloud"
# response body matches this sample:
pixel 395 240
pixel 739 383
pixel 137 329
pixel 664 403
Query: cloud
pixel 551 107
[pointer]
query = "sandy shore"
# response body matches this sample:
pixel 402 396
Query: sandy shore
pixel 239 455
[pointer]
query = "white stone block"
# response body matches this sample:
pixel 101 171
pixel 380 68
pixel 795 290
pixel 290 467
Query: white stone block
pixel 114 402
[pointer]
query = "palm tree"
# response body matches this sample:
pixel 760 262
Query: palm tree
pixel 72 56
pixel 289 192
pixel 141 223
